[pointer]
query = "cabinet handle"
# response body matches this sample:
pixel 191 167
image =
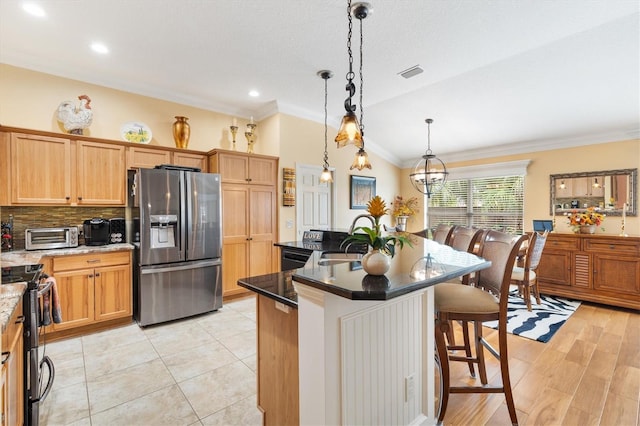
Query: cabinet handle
pixel 98 274
pixel 249 239
pixel 93 261
pixel 79 198
pixel 90 276
pixel 67 198
pixel 20 319
pixel 612 247
pixel 6 356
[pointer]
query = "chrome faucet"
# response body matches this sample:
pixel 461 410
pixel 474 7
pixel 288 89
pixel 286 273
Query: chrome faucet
pixel 361 216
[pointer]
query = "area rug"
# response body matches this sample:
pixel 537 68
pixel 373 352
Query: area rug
pixel 544 319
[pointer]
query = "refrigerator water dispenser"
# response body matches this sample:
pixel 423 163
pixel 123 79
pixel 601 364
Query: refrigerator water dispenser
pixel 163 231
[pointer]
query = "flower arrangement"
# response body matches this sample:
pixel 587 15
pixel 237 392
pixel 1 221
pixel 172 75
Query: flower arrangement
pixel 373 236
pixel 588 217
pixel 405 208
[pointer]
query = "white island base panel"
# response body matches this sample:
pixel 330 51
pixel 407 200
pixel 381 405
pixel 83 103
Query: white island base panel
pixel 365 362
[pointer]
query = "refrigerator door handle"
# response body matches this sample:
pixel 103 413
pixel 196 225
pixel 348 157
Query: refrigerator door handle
pixel 181 267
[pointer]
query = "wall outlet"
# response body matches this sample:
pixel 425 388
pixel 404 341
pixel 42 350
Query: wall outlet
pixel 409 388
pixel 289 224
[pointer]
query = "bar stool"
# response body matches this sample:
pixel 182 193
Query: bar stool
pixel 486 301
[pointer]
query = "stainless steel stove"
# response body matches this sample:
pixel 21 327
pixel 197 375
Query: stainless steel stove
pixel 35 391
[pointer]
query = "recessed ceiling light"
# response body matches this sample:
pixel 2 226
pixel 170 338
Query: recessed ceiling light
pixel 254 93
pixel 99 48
pixel 34 10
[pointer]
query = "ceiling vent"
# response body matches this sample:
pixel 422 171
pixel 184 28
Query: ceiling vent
pixel 410 72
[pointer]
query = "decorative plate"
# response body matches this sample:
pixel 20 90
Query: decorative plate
pixel 136 132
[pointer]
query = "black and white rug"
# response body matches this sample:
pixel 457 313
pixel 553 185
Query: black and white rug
pixel 544 319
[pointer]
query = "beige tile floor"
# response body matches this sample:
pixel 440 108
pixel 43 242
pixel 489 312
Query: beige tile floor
pixel 197 371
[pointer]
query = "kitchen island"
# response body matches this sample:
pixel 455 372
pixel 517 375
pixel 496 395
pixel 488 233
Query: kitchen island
pixel 362 346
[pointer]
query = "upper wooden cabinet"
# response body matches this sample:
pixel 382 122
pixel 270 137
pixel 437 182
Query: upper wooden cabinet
pixel 47 170
pixel 50 169
pixel 100 174
pixel 39 169
pixel 148 158
pixel 244 168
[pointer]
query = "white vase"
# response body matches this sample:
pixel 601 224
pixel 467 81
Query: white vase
pixel 401 223
pixel 376 263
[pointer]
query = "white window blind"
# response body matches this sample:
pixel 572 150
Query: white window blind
pixel 489 203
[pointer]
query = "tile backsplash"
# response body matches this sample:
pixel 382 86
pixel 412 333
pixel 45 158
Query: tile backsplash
pixel 48 217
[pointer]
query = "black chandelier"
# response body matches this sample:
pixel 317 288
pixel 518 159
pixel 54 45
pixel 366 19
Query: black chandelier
pixel 430 174
pixel 351 131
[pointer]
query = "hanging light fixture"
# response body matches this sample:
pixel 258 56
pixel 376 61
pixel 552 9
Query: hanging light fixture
pixel 361 160
pixel 349 132
pixel 325 177
pixel 430 173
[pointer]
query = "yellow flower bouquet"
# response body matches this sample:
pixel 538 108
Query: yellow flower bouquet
pixel 588 217
pixel 402 207
pixel 373 236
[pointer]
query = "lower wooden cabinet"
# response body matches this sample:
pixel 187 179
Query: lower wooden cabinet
pixel 12 383
pixel 278 367
pixel 92 288
pixel 597 268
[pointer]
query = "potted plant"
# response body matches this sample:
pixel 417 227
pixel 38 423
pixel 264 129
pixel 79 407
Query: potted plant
pixel 383 247
pixel 404 209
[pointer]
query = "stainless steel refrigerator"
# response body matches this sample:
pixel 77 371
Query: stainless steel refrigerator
pixel 177 226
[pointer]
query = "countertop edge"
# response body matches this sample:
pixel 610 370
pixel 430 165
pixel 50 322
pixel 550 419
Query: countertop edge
pixel 10 296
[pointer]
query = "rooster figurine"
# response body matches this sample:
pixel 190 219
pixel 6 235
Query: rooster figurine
pixel 75 119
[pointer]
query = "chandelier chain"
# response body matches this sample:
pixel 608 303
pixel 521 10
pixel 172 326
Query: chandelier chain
pixel 326 154
pixel 361 85
pixel 350 73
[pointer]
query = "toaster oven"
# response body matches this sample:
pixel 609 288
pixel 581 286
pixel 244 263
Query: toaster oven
pixel 50 238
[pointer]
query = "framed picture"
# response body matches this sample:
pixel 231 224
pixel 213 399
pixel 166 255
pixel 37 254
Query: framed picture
pixel 363 189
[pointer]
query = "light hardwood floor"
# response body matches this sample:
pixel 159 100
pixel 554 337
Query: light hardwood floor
pixel 587 374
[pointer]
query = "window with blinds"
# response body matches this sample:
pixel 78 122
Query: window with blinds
pixel 489 203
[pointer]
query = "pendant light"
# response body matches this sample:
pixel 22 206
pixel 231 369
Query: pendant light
pixel 430 173
pixel 361 160
pixel 325 177
pixel 349 132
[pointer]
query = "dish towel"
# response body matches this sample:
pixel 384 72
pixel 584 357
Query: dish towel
pixel 51 303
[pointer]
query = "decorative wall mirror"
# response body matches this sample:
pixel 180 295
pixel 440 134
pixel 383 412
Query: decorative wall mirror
pixel 606 191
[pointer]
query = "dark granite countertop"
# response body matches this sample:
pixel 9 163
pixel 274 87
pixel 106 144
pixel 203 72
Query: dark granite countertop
pixel 409 272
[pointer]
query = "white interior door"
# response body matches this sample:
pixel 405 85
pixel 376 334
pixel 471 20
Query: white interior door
pixel 314 200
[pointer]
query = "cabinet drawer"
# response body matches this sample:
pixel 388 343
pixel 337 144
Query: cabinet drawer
pixel 95 260
pixel 562 243
pixel 621 247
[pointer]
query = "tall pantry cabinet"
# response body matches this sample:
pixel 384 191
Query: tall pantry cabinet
pixel 249 215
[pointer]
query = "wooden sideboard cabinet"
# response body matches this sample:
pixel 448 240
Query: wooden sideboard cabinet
pixel 596 268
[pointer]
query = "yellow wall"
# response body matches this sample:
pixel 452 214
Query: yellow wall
pixel 302 142
pixel 30 99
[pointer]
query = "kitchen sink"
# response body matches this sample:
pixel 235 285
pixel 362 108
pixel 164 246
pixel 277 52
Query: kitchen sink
pixel 333 258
